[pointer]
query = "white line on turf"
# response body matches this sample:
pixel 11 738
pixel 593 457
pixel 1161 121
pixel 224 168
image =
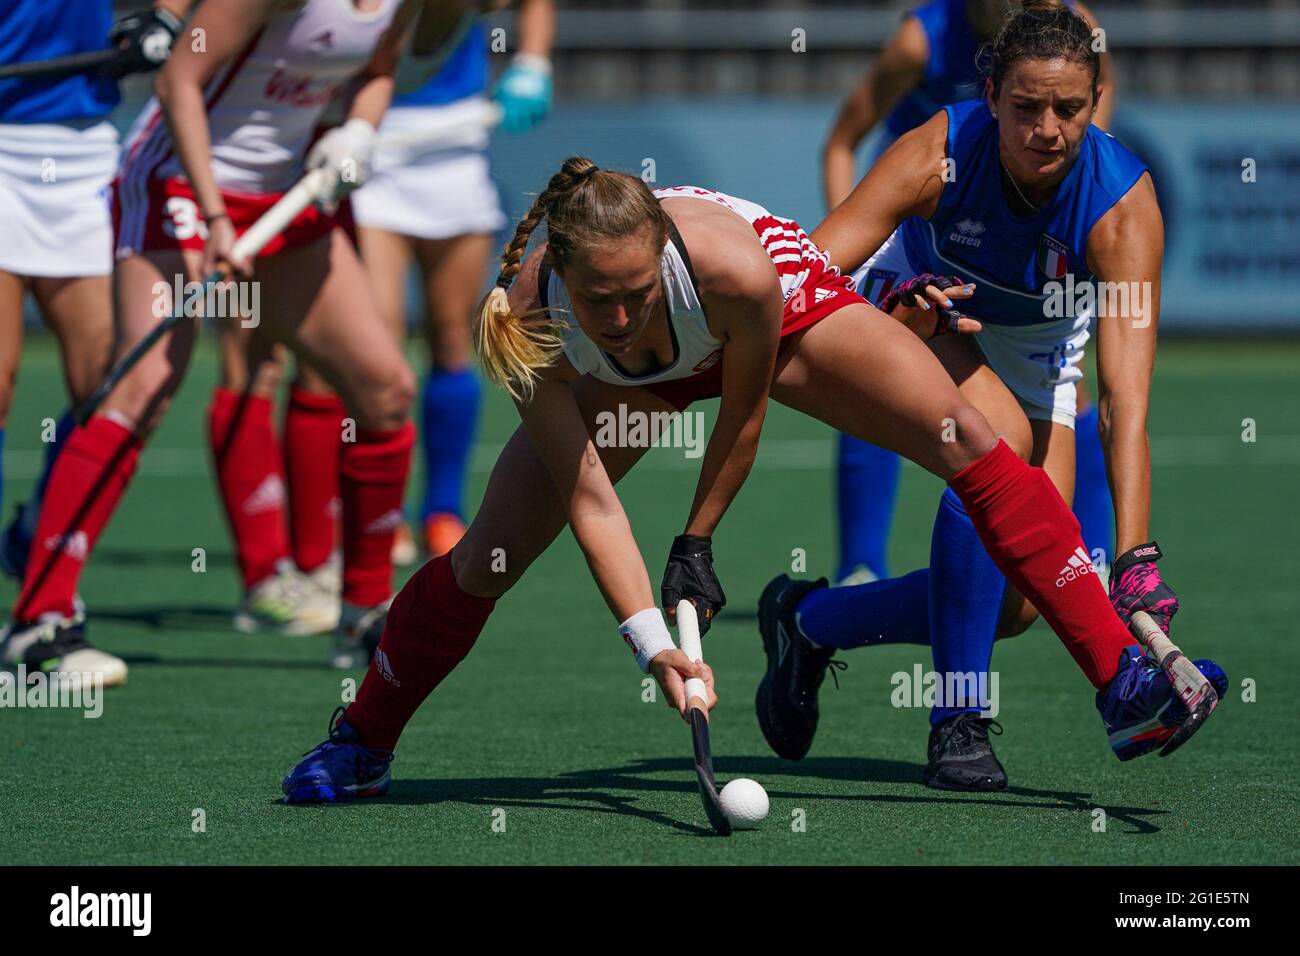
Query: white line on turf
pixel 776 454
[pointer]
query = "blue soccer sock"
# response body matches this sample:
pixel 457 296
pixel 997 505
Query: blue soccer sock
pixel 1092 503
pixel 867 485
pixel 450 410
pixel 61 432
pixel 965 599
pixel 893 611
pixel 2 471
pixel 19 533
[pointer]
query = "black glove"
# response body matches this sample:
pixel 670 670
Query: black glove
pixel 909 293
pixel 689 576
pixel 144 40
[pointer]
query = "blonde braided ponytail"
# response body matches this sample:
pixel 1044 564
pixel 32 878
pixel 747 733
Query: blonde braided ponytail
pixel 514 347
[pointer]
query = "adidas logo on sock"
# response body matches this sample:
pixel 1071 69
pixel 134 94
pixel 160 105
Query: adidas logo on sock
pixel 388 521
pixel 385 667
pixel 268 496
pixel 76 545
pixel 1078 565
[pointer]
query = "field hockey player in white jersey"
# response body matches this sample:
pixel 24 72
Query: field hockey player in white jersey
pixel 230 129
pixel 643 303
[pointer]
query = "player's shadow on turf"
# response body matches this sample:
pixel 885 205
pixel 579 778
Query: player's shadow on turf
pixel 618 790
pixel 895 771
pixel 137 557
pixel 586 792
pixel 202 617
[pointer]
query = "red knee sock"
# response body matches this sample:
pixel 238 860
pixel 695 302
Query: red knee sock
pixel 313 439
pixel 1034 540
pixel 431 627
pixel 247 460
pixel 87 482
pixel 372 483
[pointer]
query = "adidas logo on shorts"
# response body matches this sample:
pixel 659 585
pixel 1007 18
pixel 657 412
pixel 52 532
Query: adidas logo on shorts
pixel 1078 565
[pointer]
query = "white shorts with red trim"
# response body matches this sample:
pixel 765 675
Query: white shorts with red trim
pixel 163 214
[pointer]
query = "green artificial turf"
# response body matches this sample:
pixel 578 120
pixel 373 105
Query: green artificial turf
pixel 544 726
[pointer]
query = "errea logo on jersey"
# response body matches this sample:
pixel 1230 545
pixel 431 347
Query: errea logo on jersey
pixel 968 233
pixel 1078 565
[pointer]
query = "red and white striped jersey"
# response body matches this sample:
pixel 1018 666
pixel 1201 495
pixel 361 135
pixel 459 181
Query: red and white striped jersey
pixel 788 246
pixel 265 103
pixel 800 265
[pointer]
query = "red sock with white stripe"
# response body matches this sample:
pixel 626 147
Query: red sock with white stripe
pixel 1032 536
pixel 88 480
pixel 313 440
pixel 246 457
pixel 431 627
pixel 372 483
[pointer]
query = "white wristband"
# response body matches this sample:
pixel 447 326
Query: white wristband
pixel 647 635
pixel 532 61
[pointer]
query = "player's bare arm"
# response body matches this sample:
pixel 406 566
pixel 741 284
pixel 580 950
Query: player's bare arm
pixel 1105 112
pixel 742 297
pixel 899 68
pixel 906 181
pixel 228 26
pixel 560 435
pixel 1127 246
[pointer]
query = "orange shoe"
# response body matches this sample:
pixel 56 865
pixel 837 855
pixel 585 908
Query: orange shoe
pixel 404 550
pixel 441 532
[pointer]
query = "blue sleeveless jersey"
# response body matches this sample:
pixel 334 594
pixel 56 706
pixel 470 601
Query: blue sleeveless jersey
pixel 974 235
pixel 464 74
pixel 41 30
pixel 952 73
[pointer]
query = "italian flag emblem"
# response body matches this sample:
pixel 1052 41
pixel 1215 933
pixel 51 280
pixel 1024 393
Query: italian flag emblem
pixel 1053 257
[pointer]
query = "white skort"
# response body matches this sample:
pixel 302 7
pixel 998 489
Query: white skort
pixel 430 193
pixel 54 203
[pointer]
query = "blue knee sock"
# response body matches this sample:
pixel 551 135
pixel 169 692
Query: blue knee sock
pixel 2 473
pixel 18 536
pixel 893 611
pixel 965 599
pixel 450 403
pixel 867 486
pixel 61 432
pixel 1092 504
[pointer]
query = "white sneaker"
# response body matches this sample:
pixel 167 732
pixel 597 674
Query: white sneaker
pixel 286 603
pixel 57 645
pixel 859 575
pixel 405 552
pixel 358 634
pixel 328 578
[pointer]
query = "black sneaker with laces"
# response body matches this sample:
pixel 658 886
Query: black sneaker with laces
pixel 961 757
pixel 786 702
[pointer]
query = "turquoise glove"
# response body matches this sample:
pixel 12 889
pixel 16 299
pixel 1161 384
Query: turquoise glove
pixel 524 92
